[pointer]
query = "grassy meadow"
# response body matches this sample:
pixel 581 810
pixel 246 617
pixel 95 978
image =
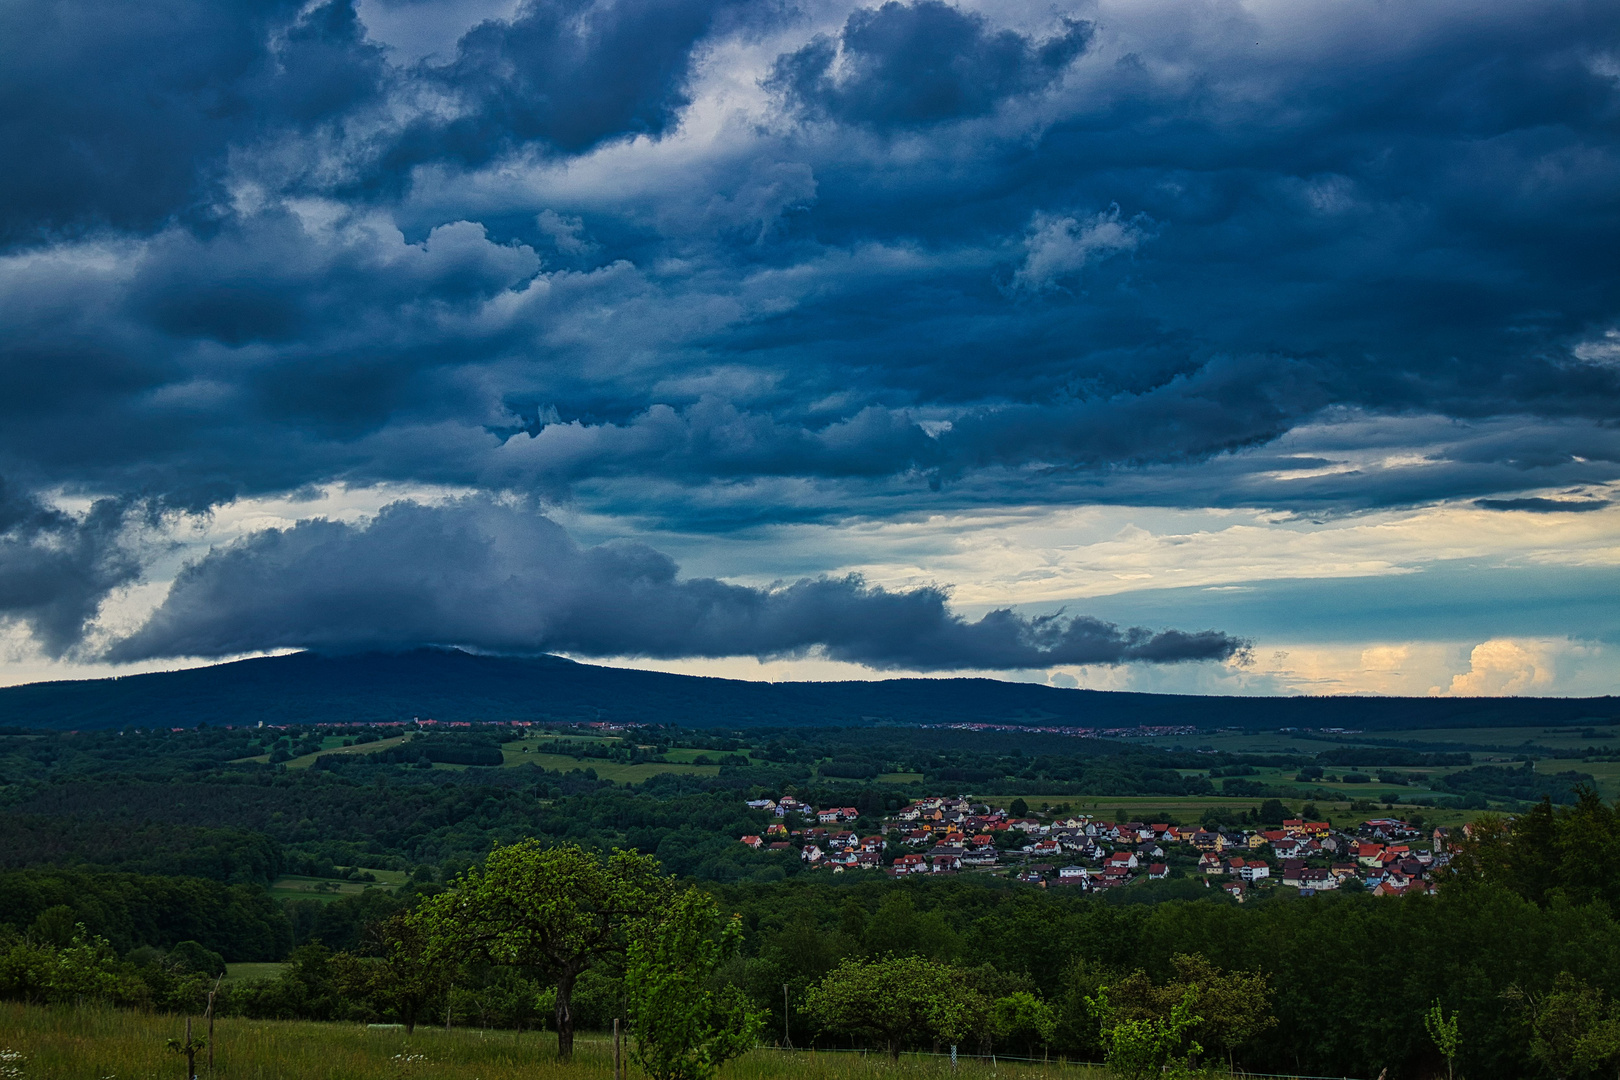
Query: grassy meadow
pixel 105 1044
pixel 616 771
pixel 330 744
pixel 253 969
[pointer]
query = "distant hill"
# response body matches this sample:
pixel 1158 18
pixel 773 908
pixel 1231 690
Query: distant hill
pixel 447 684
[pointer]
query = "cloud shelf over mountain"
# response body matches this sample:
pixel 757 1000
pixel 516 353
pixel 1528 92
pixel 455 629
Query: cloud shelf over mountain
pixel 697 268
pixel 503 578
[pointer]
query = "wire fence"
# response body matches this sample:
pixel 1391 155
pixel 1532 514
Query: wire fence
pixel 993 1059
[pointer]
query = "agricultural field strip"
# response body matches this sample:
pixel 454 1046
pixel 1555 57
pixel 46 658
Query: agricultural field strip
pixel 91 1044
pixel 306 760
pixel 364 748
pixel 606 769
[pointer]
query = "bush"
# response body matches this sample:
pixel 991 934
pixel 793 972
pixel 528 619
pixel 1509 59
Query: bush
pixel 189 956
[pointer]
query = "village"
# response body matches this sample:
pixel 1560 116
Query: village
pixel 951 835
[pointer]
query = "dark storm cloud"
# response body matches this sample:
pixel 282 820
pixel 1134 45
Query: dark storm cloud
pixel 492 576
pixel 56 568
pixel 566 73
pixel 1536 505
pixel 1191 256
pixel 119 114
pixel 905 65
pixel 122 115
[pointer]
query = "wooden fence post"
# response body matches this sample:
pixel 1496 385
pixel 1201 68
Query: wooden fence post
pixel 211 994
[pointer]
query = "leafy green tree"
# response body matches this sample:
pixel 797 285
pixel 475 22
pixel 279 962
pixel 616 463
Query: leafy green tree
pixel 558 909
pixel 1573 1032
pixel 1021 1018
pixel 1139 1047
pixel 1018 809
pixel 1569 851
pixel 1443 1030
pixel 684 1026
pixel 87 968
pixel 191 956
pixel 892 999
pixel 410 977
pixel 1273 812
pixel 56 925
pixel 1076 1025
pixel 25 970
pixel 897 928
pixel 1233 1007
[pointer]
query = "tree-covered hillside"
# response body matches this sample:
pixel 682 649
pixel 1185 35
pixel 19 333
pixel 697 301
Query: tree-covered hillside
pixel 450 685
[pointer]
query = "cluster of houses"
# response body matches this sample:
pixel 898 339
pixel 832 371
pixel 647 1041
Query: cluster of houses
pixel 948 835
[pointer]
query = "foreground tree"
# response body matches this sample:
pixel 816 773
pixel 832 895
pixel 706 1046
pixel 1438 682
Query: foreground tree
pixel 684 1026
pixel 891 999
pixel 553 909
pixel 1570 851
pixel 1447 1039
pixel 1232 1007
pixel 410 977
pixel 1140 1047
pixel 1022 1018
pixel 1574 1031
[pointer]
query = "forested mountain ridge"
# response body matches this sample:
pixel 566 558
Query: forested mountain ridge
pixel 450 685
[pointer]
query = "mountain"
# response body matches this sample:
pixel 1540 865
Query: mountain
pixel 447 684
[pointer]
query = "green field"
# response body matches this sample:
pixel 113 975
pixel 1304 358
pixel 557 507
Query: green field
pixel 515 754
pixel 538 740
pixel 332 744
pixel 685 754
pixel 335 745
pixel 245 971
pixel 300 887
pixel 1606 774
pixel 1510 738
pixel 95 1044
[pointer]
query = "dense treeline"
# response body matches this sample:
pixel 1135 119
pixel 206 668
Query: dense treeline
pixel 1523 784
pixel 1352 972
pixel 131 910
pixel 1367 756
pixel 1520 947
pixel 144 847
pixel 446 820
pixel 1349 976
pixel 1552 854
pixel 130 801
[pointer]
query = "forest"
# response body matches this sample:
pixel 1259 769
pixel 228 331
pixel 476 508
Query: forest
pixel 1519 948
pixel 138 864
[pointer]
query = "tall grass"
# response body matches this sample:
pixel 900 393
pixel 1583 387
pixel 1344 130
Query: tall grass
pixel 59 1043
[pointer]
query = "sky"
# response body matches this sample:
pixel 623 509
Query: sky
pixel 1207 346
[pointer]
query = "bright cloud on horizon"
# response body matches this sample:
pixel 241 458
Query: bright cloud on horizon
pixel 1151 346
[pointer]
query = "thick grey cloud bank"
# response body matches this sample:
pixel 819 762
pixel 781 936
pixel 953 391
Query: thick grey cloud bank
pixel 56 568
pixel 705 264
pixel 496 577
pixel 922 63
